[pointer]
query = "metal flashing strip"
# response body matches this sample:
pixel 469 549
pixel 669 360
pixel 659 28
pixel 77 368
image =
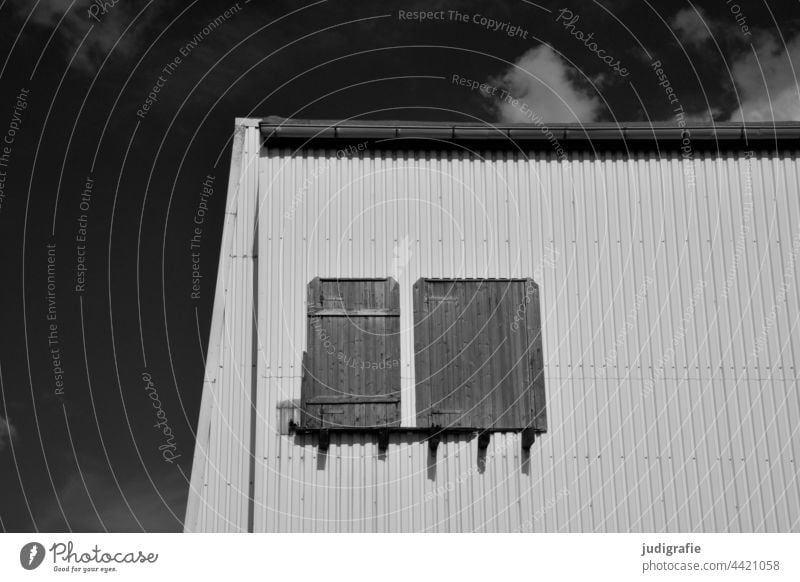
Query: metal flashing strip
pixel 276 128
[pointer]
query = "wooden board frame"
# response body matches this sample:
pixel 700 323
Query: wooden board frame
pixel 351 368
pixel 509 354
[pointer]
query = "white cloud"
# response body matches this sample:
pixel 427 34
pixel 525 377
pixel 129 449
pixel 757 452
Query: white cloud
pixel 766 84
pixel 692 26
pixel 705 116
pixel 547 87
pixel 7 432
pixel 764 78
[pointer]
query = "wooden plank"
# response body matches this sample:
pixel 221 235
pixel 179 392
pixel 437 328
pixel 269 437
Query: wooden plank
pixel 313 374
pixel 305 390
pixel 375 379
pixel 322 365
pixel 362 312
pixel 340 339
pixel 459 376
pixel 421 366
pixel 462 380
pixel 331 294
pixel 519 336
pixel 393 350
pixel 369 351
pixel 500 348
pixel 385 294
pixel 520 358
pixel 382 355
pixel 534 325
pixel 527 401
pixel 449 389
pixel 372 414
pixel 482 411
pixel 354 399
pixel 332 411
pixel 469 365
pixel 511 388
pixel 314 294
pixel 496 346
pixel 378 298
pixel 453 389
pixel 442 389
pixel 373 298
pixel 439 388
pixel 505 388
pixel 355 356
pixel 510 383
pixel 379 378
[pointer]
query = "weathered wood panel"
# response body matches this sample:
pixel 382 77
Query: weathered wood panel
pixel 478 354
pixel 351 369
pixel 533 322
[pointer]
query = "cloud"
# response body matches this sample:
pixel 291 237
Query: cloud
pixel 7 432
pixel 764 74
pixel 546 87
pixel 766 81
pixel 72 20
pixel 692 26
pixel 705 116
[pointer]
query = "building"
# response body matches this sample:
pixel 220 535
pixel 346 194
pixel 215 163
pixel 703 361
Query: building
pixel 651 272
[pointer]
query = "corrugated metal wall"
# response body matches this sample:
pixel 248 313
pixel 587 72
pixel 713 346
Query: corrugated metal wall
pixel 670 303
pixel 221 468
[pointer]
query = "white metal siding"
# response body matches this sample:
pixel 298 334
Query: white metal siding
pixel 219 487
pixel 671 343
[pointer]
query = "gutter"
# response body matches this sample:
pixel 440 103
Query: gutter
pixel 275 129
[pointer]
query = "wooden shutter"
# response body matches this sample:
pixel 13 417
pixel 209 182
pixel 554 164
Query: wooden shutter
pixel 351 368
pixel 478 354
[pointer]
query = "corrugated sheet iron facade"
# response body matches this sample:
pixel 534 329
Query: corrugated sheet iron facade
pixel 670 298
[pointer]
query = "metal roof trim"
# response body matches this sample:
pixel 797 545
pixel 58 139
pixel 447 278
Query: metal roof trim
pixel 422 132
pixel 313 129
pixel 365 132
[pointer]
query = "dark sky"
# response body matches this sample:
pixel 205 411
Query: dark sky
pixel 84 456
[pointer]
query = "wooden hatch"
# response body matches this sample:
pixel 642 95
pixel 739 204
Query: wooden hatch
pixel 351 368
pixel 478 354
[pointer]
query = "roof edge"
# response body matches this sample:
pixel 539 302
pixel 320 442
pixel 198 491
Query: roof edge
pixel 279 128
